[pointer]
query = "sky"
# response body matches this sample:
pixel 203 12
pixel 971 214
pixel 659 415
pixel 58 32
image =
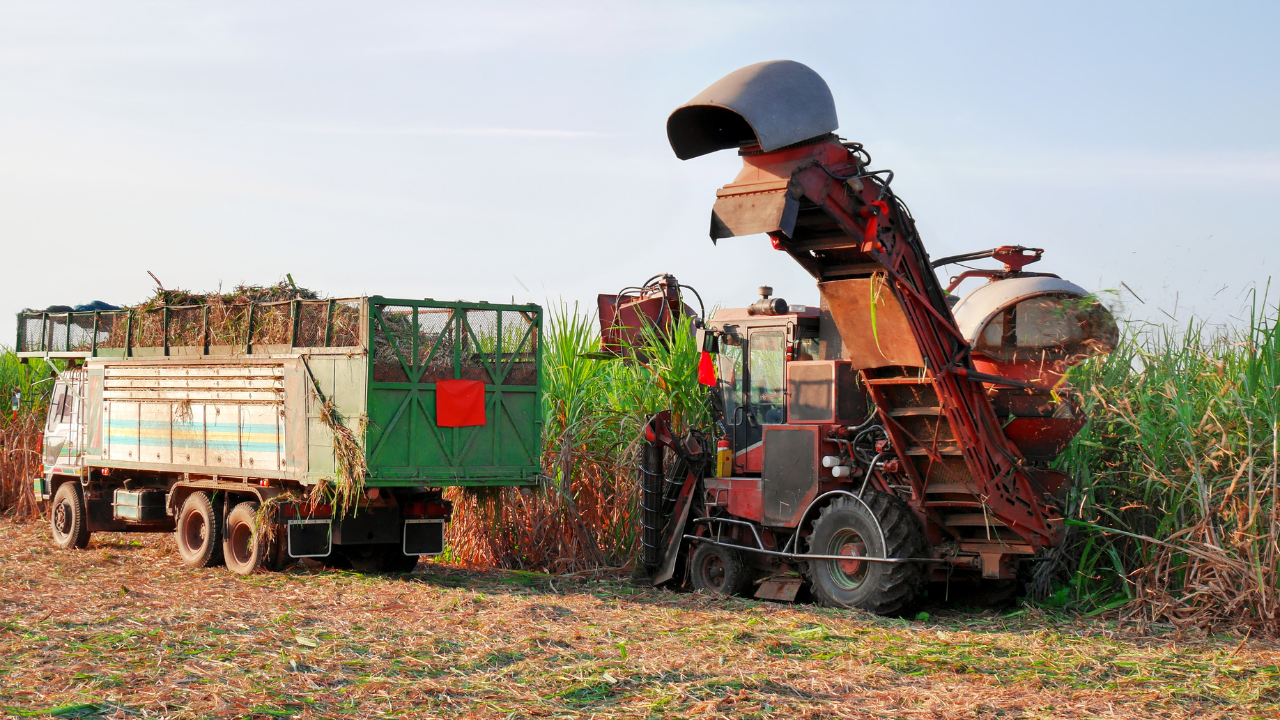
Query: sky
pixel 517 151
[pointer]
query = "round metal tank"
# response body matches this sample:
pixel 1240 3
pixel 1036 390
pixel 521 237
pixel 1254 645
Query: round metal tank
pixel 1032 329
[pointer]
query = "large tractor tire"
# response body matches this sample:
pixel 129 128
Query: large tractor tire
pixel 718 570
pixel 878 525
pixel 199 532
pixel 68 518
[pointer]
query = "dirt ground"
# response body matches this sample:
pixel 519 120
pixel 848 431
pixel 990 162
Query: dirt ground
pixel 123 630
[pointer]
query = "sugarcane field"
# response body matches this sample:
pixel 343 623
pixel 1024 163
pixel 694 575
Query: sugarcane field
pixel 586 360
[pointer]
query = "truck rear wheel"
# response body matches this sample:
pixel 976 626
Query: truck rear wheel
pixel 879 525
pixel 395 561
pixel 242 547
pixel 68 519
pixel 198 533
pixel 364 558
pixel 719 570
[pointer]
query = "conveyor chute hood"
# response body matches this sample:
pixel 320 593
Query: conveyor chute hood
pixel 775 103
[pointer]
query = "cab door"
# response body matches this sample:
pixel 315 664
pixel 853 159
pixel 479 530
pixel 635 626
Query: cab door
pixel 64 428
pixel 763 395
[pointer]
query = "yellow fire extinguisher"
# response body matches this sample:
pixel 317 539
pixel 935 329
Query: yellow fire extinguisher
pixel 724 458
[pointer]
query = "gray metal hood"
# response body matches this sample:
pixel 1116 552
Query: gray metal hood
pixel 775 103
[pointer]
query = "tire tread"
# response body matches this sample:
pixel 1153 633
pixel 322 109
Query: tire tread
pixel 903 538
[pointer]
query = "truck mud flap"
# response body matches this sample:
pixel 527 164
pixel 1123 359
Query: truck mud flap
pixel 423 537
pixel 310 538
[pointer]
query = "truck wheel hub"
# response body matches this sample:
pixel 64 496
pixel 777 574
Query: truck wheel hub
pixel 194 531
pixel 62 518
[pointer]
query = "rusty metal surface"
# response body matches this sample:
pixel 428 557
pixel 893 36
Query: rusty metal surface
pixel 657 304
pixel 887 341
pixel 773 104
pixel 783 589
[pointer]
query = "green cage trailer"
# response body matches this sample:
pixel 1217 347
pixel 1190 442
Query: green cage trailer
pixel 261 432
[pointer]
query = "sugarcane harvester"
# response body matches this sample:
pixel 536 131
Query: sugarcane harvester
pixel 890 436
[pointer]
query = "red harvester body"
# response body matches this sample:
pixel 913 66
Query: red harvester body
pixel 880 440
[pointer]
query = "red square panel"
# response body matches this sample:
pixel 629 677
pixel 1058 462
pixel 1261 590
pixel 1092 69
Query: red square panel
pixel 459 403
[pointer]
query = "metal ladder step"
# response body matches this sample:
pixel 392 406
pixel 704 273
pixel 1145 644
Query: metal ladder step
pixel 943 450
pixel 972 520
pixel 899 381
pixel 916 412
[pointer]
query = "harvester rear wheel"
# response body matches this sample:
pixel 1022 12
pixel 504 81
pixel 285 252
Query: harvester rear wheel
pixel 199 532
pixel 878 525
pixel 719 570
pixel 68 519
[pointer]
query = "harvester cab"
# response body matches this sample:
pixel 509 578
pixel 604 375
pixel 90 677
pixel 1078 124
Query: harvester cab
pixel 890 436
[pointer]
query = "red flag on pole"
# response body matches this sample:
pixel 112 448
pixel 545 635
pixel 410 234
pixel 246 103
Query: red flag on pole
pixel 706 370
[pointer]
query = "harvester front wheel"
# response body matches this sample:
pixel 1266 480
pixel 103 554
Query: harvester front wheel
pixel 878 525
pixel 719 570
pixel 68 519
pixel 199 532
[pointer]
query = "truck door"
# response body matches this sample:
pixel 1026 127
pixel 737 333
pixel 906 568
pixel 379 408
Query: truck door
pixel 64 434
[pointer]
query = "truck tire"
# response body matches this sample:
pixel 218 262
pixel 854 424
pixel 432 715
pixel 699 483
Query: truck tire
pixel 198 532
pixel 68 518
pixel 277 558
pixel 395 561
pixel 718 570
pixel 364 558
pixel 879 525
pixel 242 548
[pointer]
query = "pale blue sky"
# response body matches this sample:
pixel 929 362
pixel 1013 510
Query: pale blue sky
pixel 485 151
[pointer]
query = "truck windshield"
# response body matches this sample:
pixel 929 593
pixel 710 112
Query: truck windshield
pixel 766 357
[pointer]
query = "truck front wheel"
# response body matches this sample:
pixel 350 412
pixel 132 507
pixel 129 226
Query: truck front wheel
pixel 880 526
pixel 199 532
pixel 67 518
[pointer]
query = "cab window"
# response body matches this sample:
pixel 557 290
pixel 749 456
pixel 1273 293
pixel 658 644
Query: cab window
pixel 730 360
pixel 766 365
pixel 59 406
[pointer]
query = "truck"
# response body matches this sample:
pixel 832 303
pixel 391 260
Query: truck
pixel 891 436
pixel 263 432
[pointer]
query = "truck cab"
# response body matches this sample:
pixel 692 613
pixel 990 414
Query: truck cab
pixel 64 430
